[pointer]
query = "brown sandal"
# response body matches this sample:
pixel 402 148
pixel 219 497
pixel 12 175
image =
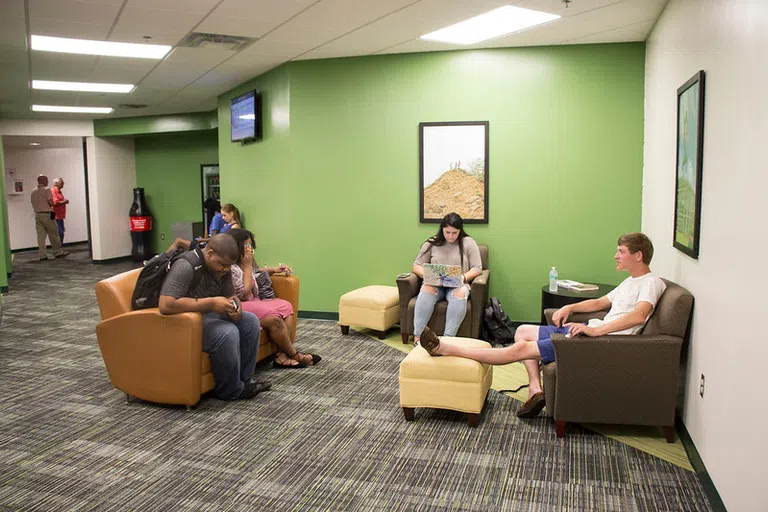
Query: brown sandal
pixel 429 341
pixel 315 358
pixel 286 363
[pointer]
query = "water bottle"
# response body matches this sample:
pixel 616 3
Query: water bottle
pixel 553 280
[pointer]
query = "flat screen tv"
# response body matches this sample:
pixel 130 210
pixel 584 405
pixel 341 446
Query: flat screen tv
pixel 245 111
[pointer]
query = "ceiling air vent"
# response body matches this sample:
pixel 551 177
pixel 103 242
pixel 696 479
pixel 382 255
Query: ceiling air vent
pixel 132 105
pixel 223 41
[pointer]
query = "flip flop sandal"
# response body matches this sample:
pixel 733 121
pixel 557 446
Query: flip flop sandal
pixel 286 363
pixel 532 407
pixel 315 358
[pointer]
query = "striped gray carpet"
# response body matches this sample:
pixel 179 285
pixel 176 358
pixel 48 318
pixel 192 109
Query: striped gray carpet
pixel 326 438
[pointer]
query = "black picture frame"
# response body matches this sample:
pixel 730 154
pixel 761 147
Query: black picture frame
pixel 453 164
pixel 688 174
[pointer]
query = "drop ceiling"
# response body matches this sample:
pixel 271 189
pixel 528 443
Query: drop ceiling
pixel 189 79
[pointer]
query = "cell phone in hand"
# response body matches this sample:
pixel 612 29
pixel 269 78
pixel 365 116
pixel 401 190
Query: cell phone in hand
pixel 236 303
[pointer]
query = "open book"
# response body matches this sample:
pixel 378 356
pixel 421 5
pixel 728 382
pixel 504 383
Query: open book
pixel 576 286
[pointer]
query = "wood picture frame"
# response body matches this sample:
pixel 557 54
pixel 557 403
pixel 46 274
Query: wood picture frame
pixel 688 171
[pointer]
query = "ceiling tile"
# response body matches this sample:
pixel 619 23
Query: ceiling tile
pixel 121 70
pixel 164 27
pixel 236 26
pixel 198 6
pixel 198 58
pixel 73 10
pixel 264 10
pixel 62 66
pixel 73 29
pixel 610 36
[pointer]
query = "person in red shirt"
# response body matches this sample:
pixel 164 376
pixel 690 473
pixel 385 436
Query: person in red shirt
pixel 59 206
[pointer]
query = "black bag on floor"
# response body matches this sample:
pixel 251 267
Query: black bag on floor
pixel 146 294
pixel 497 328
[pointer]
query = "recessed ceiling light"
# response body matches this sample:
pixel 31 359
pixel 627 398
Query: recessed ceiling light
pixel 90 47
pixel 495 23
pixel 74 110
pixel 81 86
pixel 34 143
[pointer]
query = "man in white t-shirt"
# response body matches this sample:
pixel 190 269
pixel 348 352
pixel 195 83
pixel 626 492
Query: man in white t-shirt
pixel 631 303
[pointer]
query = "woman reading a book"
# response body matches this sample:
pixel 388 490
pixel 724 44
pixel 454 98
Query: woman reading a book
pixel 253 287
pixel 450 246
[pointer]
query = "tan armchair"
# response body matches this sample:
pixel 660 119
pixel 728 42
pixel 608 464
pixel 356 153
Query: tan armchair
pixel 408 288
pixel 160 358
pixel 620 379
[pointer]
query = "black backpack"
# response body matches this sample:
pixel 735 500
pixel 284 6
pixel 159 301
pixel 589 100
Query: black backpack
pixel 497 328
pixel 146 294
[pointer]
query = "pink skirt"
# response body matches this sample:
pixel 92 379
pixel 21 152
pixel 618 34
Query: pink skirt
pixel 268 307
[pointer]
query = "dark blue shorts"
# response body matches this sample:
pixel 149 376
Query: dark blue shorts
pixel 546 348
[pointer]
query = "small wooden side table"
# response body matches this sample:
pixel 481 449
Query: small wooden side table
pixel 565 296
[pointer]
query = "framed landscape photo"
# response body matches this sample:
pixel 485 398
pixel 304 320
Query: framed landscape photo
pixel 690 142
pixel 453 171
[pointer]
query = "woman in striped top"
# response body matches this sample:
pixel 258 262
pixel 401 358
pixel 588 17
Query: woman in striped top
pixel 253 287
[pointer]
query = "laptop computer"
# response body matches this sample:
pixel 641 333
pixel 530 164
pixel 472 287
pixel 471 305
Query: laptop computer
pixel 436 274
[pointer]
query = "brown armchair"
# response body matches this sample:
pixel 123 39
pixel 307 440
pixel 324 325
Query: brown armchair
pixel 409 287
pixel 160 358
pixel 620 379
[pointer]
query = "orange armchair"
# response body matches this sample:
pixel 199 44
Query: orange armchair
pixel 160 358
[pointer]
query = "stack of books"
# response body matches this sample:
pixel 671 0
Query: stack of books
pixel 576 286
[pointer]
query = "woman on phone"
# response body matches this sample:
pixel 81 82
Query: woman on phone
pixel 450 246
pixel 253 287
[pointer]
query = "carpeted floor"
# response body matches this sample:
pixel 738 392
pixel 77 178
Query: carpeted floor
pixel 326 438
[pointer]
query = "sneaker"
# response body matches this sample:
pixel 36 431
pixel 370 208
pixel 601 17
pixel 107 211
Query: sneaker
pixel 62 254
pixel 253 388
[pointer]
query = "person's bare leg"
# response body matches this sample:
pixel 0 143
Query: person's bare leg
pixel 526 334
pixel 488 355
pixel 280 337
pixel 289 322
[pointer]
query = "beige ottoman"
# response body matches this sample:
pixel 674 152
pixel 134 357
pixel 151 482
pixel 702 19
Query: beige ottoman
pixel 449 382
pixel 375 307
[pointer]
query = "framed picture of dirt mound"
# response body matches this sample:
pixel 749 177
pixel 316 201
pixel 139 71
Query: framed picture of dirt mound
pixel 453 171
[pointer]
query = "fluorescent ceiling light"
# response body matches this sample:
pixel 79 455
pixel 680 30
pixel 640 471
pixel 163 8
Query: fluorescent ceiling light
pixel 495 23
pixel 74 110
pixel 247 116
pixel 80 86
pixel 34 143
pixel 89 47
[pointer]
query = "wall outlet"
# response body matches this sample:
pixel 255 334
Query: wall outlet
pixel 162 236
pixel 701 386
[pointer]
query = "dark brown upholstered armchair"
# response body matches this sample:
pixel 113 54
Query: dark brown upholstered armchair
pixel 409 287
pixel 620 379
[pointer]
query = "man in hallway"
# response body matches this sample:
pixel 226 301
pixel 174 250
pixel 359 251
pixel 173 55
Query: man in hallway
pixel 59 206
pixel 42 203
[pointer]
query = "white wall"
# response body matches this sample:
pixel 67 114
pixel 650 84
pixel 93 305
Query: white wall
pixel 111 179
pixel 60 128
pixel 54 162
pixel 729 344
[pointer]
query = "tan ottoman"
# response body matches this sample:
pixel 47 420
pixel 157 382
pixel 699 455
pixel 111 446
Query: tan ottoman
pixel 449 382
pixel 375 307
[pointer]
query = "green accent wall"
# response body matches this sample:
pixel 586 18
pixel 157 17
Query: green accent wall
pixel 5 241
pixel 332 190
pixel 195 121
pixel 168 168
